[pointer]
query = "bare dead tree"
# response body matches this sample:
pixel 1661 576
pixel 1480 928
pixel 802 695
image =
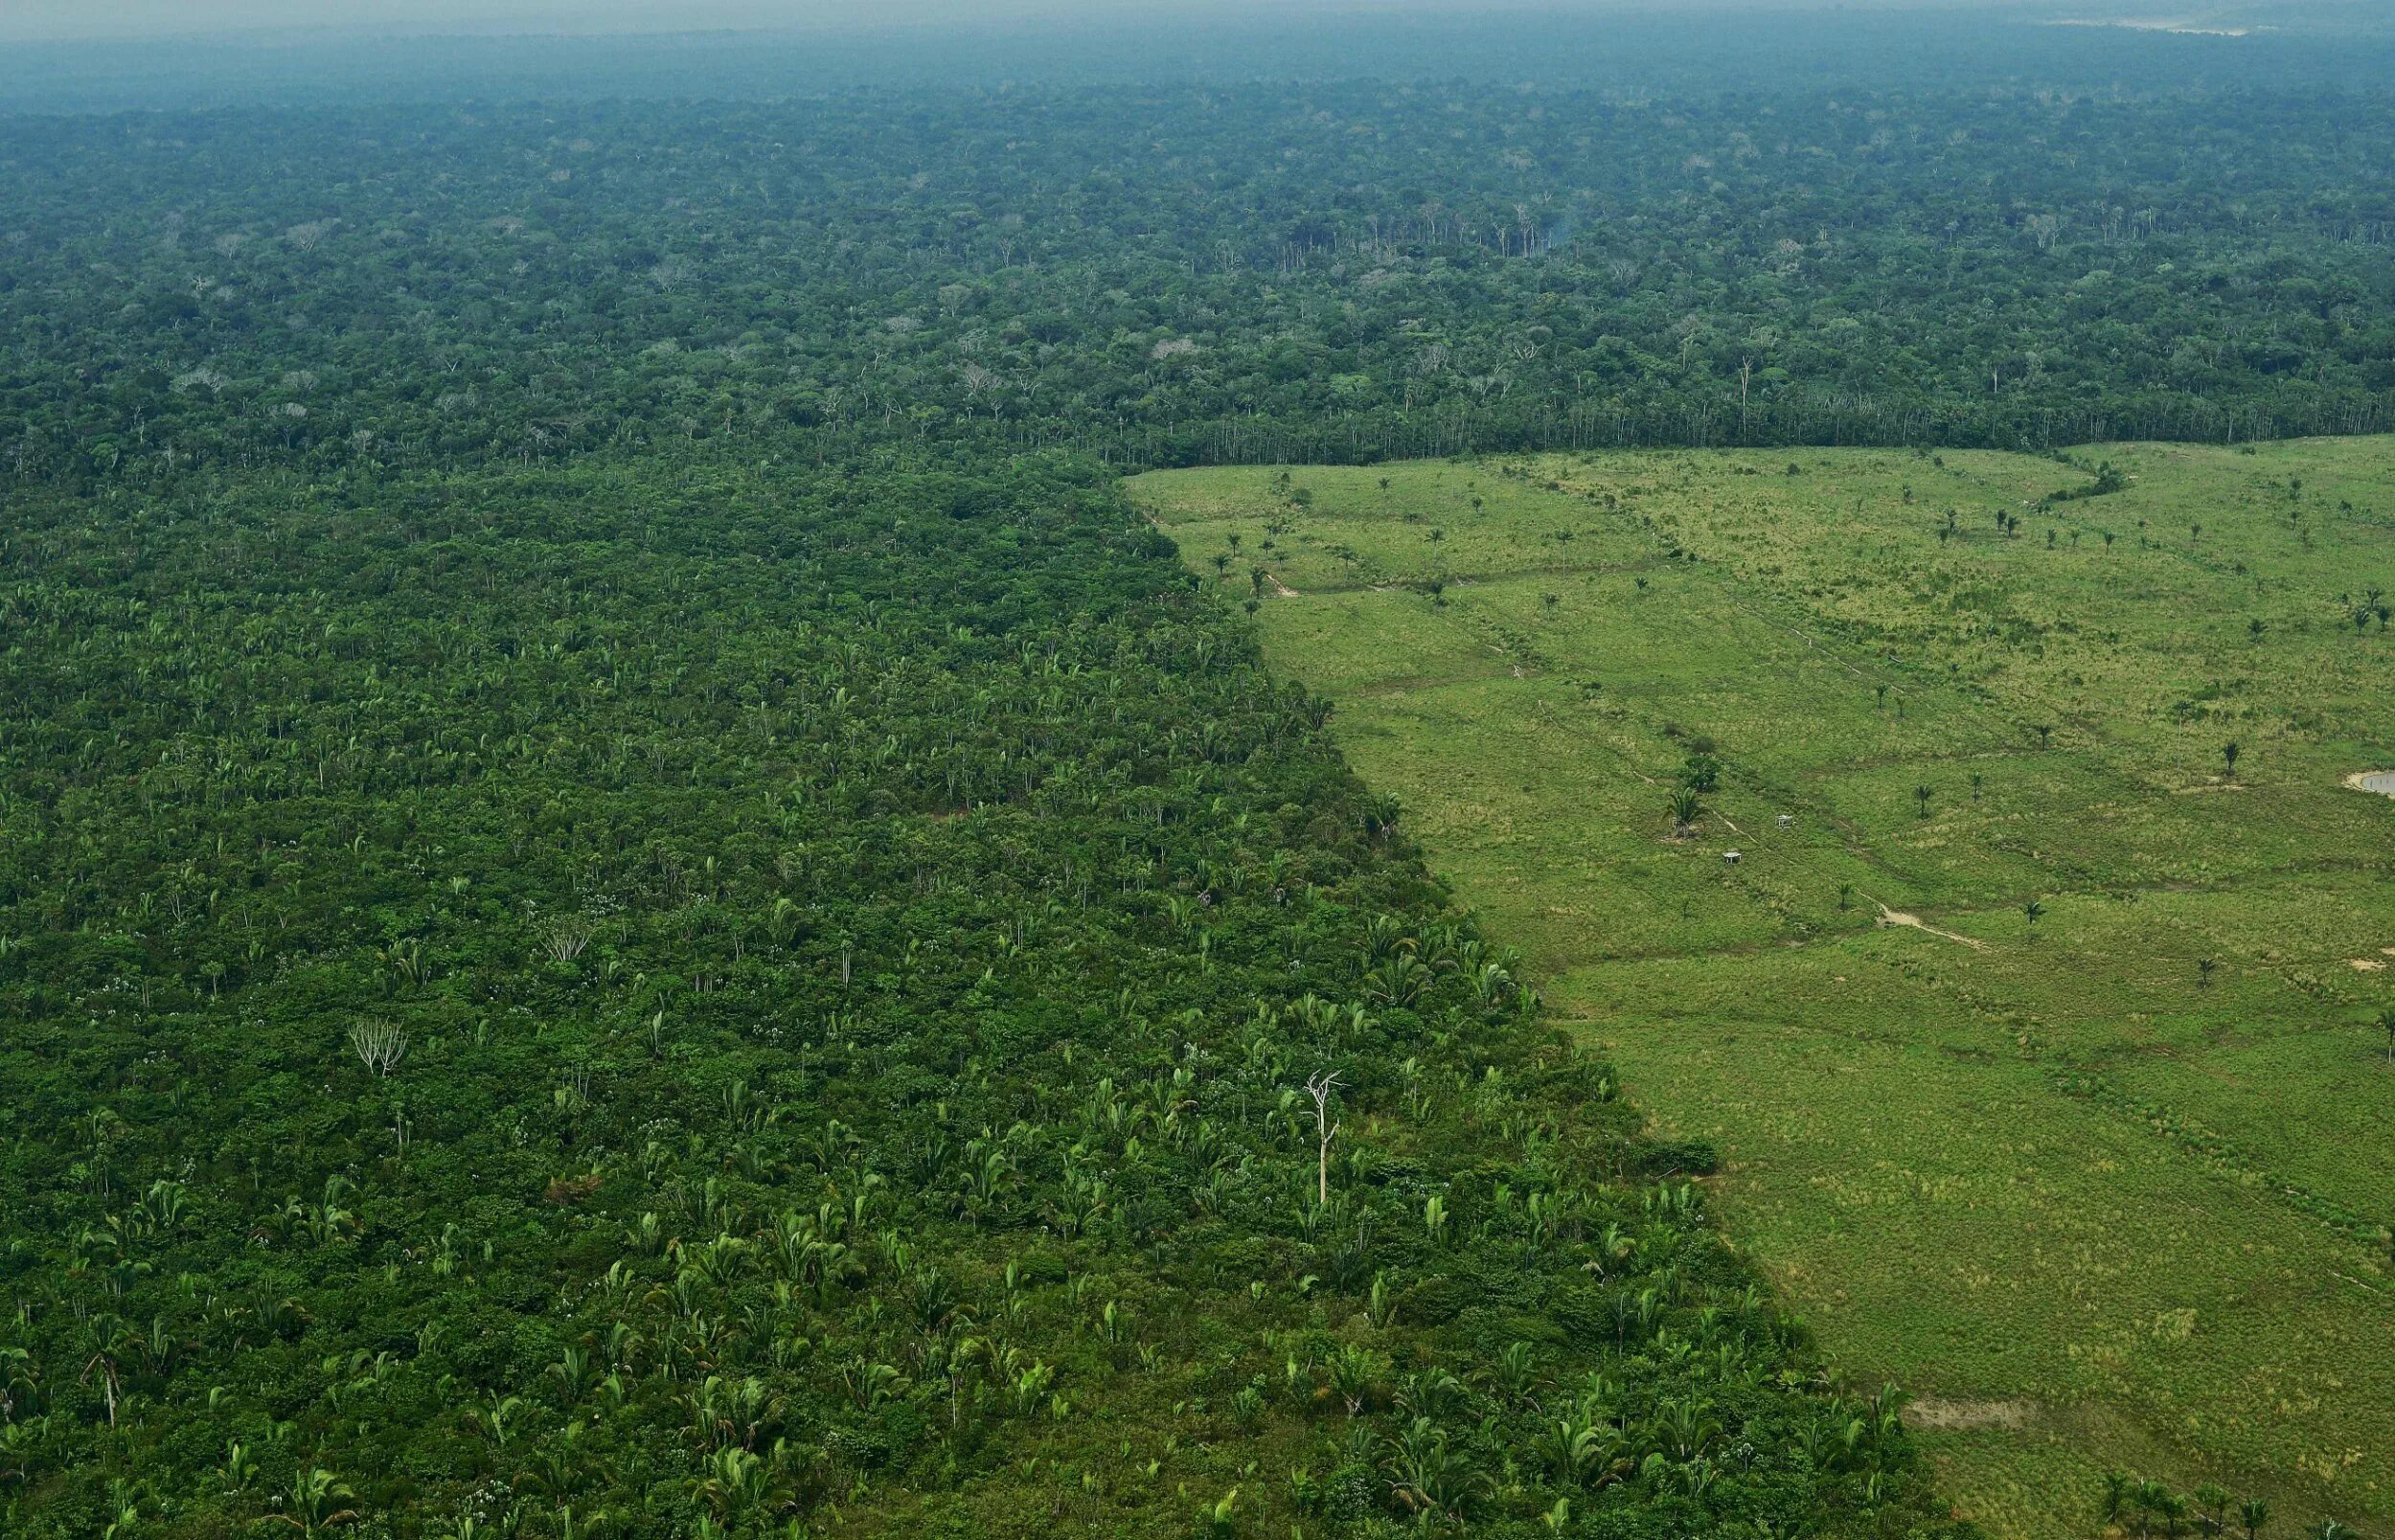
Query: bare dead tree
pixel 1320 1087
pixel 566 938
pixel 380 1045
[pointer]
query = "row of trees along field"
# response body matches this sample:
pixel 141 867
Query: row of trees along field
pixel 1175 275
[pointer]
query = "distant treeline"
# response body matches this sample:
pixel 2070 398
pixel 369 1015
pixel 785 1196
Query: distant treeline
pixel 1181 274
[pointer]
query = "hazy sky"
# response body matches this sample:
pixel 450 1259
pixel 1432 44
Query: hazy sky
pixel 22 19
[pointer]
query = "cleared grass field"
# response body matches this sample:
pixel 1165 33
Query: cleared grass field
pixel 2041 1040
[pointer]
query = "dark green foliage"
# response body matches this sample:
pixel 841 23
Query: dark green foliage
pixel 1662 1159
pixel 1175 275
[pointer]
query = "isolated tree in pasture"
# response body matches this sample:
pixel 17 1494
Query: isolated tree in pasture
pixel 2032 911
pixel 2252 1515
pixel 1922 797
pixel 2229 752
pixel 1686 810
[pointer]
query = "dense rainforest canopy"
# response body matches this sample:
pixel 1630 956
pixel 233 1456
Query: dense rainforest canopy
pixel 1175 275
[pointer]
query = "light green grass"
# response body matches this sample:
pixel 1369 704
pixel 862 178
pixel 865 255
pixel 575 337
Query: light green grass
pixel 2062 1183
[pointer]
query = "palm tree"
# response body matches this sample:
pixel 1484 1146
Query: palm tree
pixel 2229 752
pixel 2116 1495
pixel 1921 796
pixel 2387 1023
pixel 2253 1514
pixel 1685 810
pixel 2032 911
pixel 2149 1498
pixel 319 1500
pixel 2212 1508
